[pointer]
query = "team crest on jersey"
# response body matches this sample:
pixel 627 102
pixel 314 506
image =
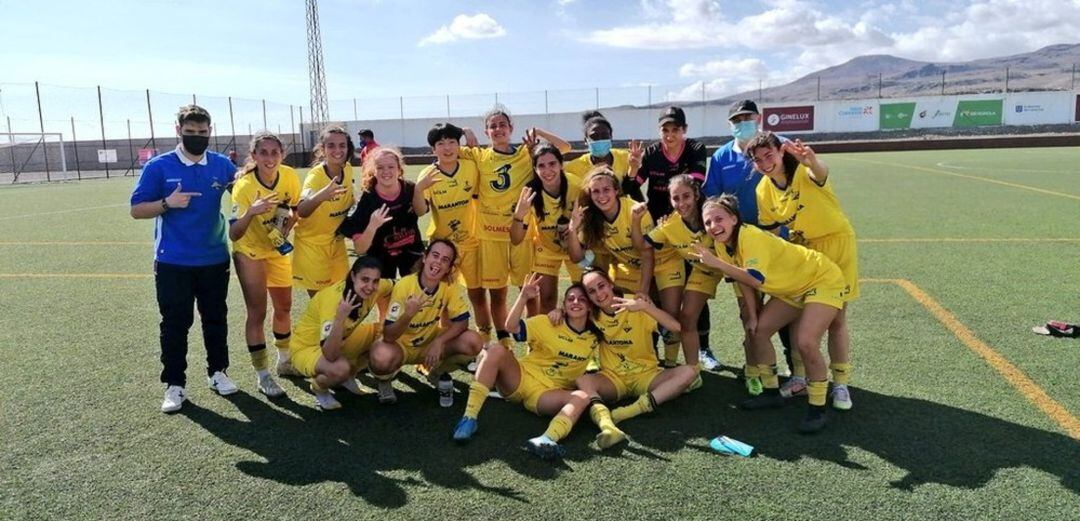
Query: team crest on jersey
pixel 394 312
pixel 216 185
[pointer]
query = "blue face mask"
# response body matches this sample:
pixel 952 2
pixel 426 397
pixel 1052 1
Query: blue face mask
pixel 600 148
pixel 744 130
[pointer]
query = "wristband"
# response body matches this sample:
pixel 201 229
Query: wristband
pixel 165 204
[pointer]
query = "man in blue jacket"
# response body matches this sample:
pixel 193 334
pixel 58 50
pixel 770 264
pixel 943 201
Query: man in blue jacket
pixel 181 190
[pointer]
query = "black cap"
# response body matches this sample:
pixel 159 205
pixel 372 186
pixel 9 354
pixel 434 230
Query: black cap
pixel 366 132
pixel 742 107
pixel 673 115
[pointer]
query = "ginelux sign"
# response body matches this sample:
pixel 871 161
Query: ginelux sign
pixel 788 119
pixel 896 115
pixel 978 113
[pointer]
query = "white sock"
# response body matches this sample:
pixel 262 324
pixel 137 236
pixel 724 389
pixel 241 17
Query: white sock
pixel 263 374
pixel 282 355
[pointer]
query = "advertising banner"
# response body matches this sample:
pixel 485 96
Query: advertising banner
pixel 934 112
pixel 978 113
pixel 789 119
pixel 850 117
pixel 1038 108
pixel 896 115
pixel 107 155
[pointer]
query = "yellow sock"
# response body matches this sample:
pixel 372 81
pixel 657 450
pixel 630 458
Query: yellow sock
pixel 505 339
pixel 601 416
pixel 485 332
pixel 671 353
pixel 798 368
pixel 478 393
pixel 816 391
pixel 281 341
pixel 768 376
pixel 751 371
pixel 559 427
pixel 841 373
pixel 316 388
pixel 642 405
pixel 260 359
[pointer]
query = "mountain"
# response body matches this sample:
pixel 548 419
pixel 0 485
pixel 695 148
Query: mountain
pixel 1049 68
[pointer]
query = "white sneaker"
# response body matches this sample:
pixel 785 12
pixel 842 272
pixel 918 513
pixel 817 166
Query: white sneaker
pixel 326 401
pixel 175 396
pixel 446 390
pixel 841 398
pixel 350 384
pixel 269 387
pixel 285 368
pixel 708 362
pixel 795 386
pixel 386 392
pixel 221 383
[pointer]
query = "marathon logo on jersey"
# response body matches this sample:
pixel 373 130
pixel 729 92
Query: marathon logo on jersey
pixel 572 356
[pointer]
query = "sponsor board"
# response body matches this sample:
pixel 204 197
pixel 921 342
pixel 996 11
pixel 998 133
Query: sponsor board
pixel 896 115
pixel 937 112
pixel 107 155
pixel 978 113
pixel 789 119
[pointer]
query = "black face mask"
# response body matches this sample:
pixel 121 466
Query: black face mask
pixel 195 145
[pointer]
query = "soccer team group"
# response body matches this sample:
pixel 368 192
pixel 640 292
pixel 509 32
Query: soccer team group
pixel 645 235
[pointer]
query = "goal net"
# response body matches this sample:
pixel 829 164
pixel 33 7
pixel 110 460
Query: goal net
pixel 32 157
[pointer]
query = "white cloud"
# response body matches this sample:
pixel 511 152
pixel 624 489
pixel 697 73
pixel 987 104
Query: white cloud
pixel 465 27
pixel 747 67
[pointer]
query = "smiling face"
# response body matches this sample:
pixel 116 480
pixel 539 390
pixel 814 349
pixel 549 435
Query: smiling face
pixel 600 290
pixel 768 160
pixel 387 170
pixel 447 149
pixel 683 199
pixel 719 222
pixel 365 282
pixel 603 194
pixel 548 169
pixel 335 148
pixel 267 155
pixel 438 261
pixel 576 303
pixel 498 130
pixel 672 135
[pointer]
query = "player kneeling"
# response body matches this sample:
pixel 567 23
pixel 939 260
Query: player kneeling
pixel 543 381
pixel 329 343
pixel 412 333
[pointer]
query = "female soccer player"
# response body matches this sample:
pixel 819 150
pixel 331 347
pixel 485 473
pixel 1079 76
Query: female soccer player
pixel 412 333
pixel 679 233
pixel 264 196
pixel 624 163
pixel 542 381
pixel 319 259
pixel 330 343
pixel 805 286
pixel 448 189
pixel 383 222
pixel 628 364
pixel 504 170
pixel 797 194
pixel 544 207
pixel 674 154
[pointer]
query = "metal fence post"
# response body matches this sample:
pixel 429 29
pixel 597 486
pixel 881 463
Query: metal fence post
pixel 703 107
pixel 265 126
pixel 942 83
pixel 232 122
pixel 401 108
pixel 1006 80
pixel 41 122
pixel 355 113
pixel 11 140
pixel 819 87
pixel 150 114
pixel 447 106
pixel 649 104
pixel 292 126
pixel 597 98
pixel 101 115
pixel 131 149
pixel 303 140
pixel 75 148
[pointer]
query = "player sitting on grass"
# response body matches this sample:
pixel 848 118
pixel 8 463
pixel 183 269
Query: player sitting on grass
pixel 329 343
pixel 542 381
pixel 412 333
pixel 805 286
pixel 628 364
pixel 265 194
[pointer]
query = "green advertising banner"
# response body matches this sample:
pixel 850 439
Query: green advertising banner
pixel 978 113
pixel 896 115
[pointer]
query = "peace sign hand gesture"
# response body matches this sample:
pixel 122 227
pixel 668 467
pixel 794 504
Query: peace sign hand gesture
pixel 380 217
pixel 576 216
pixel 523 202
pixel 264 204
pixel 636 153
pixel 802 152
pixel 348 303
pixel 531 289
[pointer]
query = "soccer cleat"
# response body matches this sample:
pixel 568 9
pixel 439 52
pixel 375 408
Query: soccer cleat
pixel 350 384
pixel 544 448
pixel 175 396
pixel 753 386
pixel 763 401
pixel 841 398
pixel 814 420
pixel 269 387
pixel 471 368
pixel 221 383
pixel 795 386
pixel 285 368
pixel 465 429
pixel 446 390
pixel 326 401
pixel 386 392
pixel 707 360
pixel 610 437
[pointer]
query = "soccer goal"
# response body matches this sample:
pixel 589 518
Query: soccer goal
pixel 32 157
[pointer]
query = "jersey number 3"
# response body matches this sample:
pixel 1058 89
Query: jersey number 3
pixel 503 182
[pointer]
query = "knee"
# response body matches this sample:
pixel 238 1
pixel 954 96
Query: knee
pixel 495 351
pixel 338 370
pixel 808 346
pixel 384 359
pixel 471 343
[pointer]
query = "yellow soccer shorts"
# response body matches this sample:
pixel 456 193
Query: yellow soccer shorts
pixel 276 267
pixel 830 290
pixel 317 266
pixel 670 272
pixel 533 385
pixel 500 260
pixel 521 262
pixel 703 281
pixel 469 264
pixel 841 249
pixel 304 357
pixel 546 262
pixel 631 385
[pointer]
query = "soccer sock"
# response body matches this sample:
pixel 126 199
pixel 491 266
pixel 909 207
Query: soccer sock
pixel 504 339
pixel 751 371
pixel 485 332
pixel 281 342
pixel 478 393
pixel 601 415
pixel 559 427
pixel 798 368
pixel 816 391
pixel 259 356
pixel 645 403
pixel 841 373
pixel 672 346
pixel 768 376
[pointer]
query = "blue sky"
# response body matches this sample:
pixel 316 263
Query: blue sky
pixel 384 49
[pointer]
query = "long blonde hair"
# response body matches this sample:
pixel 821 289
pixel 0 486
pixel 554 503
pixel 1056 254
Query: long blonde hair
pixel 592 225
pixel 367 179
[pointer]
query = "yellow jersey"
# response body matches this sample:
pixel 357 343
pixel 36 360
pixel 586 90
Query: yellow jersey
pixel 501 178
pixel 257 241
pixel 581 165
pixel 628 346
pixel 314 325
pixel 452 202
pixel 321 226
pixel 809 210
pixel 673 235
pixel 785 269
pixel 559 352
pixel 424 325
pixel 550 229
pixel 617 243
